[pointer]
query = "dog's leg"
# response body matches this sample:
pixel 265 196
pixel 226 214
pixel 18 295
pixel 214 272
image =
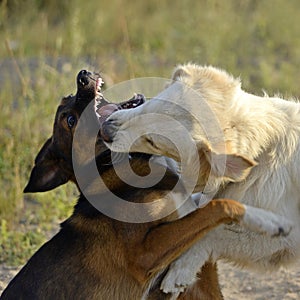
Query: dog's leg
pixel 206 287
pixel 165 242
pixel 264 221
pixel 183 271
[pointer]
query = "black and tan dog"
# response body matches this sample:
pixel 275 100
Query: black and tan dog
pixel 96 257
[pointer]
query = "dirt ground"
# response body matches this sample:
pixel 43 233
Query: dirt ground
pixel 244 285
pixel 236 284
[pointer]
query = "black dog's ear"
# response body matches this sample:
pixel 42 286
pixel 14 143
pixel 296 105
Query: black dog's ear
pixel 46 173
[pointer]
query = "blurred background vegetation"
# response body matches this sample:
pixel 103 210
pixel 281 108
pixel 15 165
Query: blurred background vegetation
pixel 45 44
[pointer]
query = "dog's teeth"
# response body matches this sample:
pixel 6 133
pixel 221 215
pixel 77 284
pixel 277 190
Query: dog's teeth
pixel 98 87
pixel 100 83
pixel 100 95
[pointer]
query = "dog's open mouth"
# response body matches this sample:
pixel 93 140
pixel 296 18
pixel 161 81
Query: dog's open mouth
pixel 104 109
pixel 136 100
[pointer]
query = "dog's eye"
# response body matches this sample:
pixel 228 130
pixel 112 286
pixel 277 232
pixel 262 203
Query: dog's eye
pixel 71 120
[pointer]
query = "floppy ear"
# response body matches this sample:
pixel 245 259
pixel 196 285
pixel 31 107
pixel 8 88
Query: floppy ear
pixel 237 167
pixel 46 173
pixel 233 166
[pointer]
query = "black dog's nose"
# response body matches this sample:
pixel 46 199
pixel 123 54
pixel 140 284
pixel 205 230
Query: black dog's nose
pixel 83 77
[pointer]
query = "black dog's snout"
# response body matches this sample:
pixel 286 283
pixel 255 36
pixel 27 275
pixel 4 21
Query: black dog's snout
pixel 83 77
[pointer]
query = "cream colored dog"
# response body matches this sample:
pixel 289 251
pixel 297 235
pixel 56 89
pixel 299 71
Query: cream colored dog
pixel 249 150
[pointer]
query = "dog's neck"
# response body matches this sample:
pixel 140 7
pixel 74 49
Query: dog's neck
pixel 268 131
pixel 100 199
pixel 261 124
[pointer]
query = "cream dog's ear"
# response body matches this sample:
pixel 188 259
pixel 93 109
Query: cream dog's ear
pixel 235 167
pixel 179 71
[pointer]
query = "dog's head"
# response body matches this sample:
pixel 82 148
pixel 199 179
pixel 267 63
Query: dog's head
pixel 53 164
pixel 191 113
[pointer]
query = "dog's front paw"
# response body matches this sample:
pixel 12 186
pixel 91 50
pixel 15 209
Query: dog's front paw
pixel 177 280
pixel 264 221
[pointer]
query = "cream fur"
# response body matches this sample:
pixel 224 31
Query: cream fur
pixel 259 138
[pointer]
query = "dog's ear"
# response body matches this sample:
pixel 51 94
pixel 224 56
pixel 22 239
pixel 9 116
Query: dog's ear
pixel 179 71
pixel 46 174
pixel 235 167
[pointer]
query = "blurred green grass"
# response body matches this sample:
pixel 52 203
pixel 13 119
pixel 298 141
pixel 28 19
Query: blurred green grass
pixel 45 44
